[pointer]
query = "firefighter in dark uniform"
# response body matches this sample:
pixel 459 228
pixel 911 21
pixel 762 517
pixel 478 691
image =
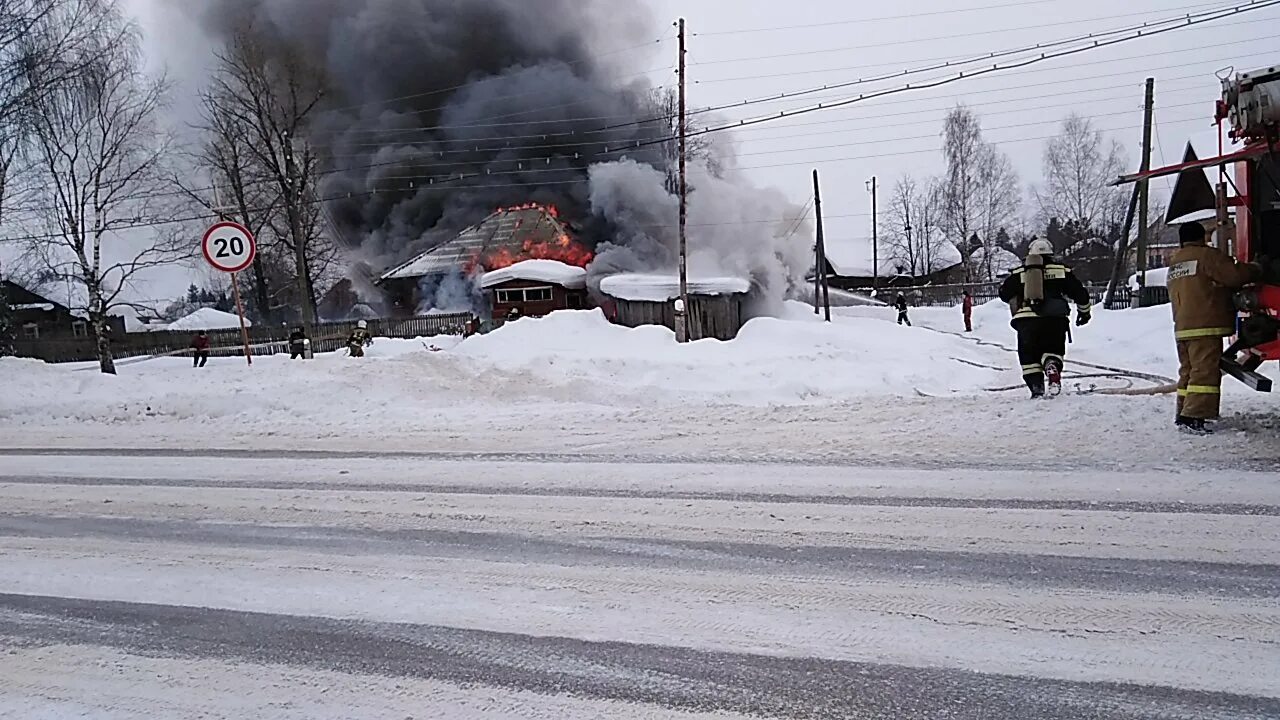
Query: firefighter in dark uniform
pixel 1201 283
pixel 1038 294
pixel 359 339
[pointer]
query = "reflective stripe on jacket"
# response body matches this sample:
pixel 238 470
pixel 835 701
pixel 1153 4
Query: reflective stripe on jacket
pixel 1201 282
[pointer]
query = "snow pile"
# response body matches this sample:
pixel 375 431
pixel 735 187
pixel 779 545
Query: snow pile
pixel 548 271
pixel 1158 277
pixel 639 287
pixel 795 359
pixel 204 319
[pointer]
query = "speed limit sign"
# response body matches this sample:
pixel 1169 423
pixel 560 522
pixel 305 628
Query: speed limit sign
pixel 229 247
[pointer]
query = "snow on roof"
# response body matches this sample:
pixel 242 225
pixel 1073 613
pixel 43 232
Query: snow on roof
pixel 47 307
pixel 639 287
pixel 505 231
pixel 1155 278
pixel 1003 261
pixel 548 271
pixel 854 258
pixel 205 319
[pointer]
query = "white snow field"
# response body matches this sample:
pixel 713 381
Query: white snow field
pixel 568 519
pixel 861 389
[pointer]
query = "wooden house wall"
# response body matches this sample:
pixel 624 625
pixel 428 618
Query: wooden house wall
pixel 710 316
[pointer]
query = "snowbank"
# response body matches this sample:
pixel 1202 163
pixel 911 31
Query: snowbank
pixel 1155 278
pixel 548 271
pixel 661 288
pixel 204 319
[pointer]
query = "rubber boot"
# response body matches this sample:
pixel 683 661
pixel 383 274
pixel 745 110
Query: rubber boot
pixel 1053 373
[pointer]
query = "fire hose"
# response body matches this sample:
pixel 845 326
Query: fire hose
pixel 1160 385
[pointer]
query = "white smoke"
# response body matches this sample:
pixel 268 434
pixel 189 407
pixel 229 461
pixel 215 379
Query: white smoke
pixel 734 228
pixel 454 292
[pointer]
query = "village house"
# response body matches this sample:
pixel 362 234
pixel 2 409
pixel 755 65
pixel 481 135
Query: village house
pixel 37 318
pixel 534 288
pixel 508 236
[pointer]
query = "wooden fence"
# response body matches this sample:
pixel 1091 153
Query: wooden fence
pixel 267 340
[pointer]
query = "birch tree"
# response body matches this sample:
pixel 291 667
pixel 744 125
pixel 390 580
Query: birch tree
pixel 914 238
pixel 1079 166
pixel 96 155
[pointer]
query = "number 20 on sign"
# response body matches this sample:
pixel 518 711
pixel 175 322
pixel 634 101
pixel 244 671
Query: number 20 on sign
pixel 230 247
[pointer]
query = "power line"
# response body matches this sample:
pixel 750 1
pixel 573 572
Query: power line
pixel 976 73
pixel 954 60
pixel 442 91
pixel 956 36
pixel 1153 27
pixel 836 23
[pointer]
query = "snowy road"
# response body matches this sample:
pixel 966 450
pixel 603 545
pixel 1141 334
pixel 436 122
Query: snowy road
pixel 345 586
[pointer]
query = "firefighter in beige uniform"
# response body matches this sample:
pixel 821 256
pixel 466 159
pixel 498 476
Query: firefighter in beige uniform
pixel 1201 282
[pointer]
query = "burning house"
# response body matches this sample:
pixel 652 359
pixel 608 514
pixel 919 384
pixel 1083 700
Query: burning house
pixel 716 304
pixel 533 288
pixel 448 277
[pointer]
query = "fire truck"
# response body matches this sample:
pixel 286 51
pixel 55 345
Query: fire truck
pixel 1247 204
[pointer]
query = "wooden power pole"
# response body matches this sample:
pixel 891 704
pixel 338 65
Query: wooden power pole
pixel 820 271
pixel 875 240
pixel 684 199
pixel 1144 185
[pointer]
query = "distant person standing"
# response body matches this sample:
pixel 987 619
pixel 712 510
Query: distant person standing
pixel 298 343
pixel 966 307
pixel 200 349
pixel 901 305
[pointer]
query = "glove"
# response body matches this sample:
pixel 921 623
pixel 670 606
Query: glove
pixel 1083 318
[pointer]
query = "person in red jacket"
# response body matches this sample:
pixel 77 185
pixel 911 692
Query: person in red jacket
pixel 967 307
pixel 200 349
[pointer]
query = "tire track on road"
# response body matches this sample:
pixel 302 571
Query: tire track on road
pixel 678 678
pixel 1168 508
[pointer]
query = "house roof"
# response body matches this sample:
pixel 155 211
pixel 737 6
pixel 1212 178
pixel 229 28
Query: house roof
pixel 853 258
pixel 204 319
pixel 507 233
pixel 640 287
pixel 1003 261
pixel 21 298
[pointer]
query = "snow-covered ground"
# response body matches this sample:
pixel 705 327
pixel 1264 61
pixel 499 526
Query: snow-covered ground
pixel 568 519
pixel 861 389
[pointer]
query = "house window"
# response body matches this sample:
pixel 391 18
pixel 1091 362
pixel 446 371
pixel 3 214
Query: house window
pixel 80 329
pixel 513 297
pixel 31 331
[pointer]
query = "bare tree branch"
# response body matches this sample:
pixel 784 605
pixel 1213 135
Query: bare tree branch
pixel 96 161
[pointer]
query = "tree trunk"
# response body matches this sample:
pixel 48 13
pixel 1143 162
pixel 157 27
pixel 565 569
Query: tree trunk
pixel 260 290
pixel 102 337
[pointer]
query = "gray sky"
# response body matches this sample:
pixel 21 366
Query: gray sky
pixel 893 136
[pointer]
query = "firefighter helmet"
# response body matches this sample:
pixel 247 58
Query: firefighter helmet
pixel 1041 247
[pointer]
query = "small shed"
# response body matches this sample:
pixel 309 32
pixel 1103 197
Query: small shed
pixel 715 303
pixel 535 288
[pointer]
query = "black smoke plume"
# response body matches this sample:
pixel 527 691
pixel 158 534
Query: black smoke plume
pixel 524 94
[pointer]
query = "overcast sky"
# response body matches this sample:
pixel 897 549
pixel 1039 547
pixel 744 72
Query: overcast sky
pixel 893 136
pixel 748 49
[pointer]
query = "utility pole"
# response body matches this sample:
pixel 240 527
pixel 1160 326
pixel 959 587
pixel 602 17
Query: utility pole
pixel 684 201
pixel 1144 187
pixel 875 240
pixel 293 208
pixel 820 272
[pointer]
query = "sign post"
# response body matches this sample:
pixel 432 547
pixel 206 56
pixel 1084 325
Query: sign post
pixel 230 248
